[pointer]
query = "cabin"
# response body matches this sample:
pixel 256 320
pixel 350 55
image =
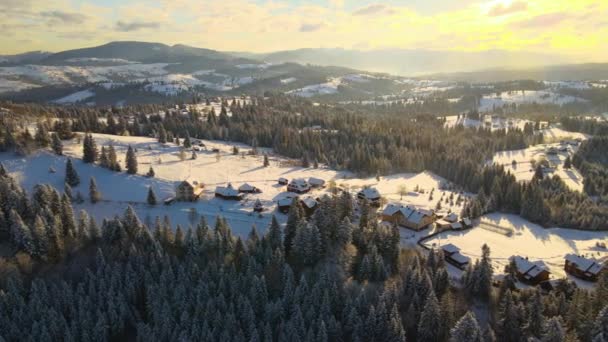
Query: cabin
pixel 283 181
pixel 371 195
pixel 310 205
pixel 228 193
pixel 249 189
pixel 466 223
pixel 532 273
pixel 284 204
pixel 189 191
pixel 583 268
pixel 316 182
pixel 453 256
pixel 298 185
pixel 258 207
pixel 408 216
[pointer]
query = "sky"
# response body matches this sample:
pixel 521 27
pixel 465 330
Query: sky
pixel 566 27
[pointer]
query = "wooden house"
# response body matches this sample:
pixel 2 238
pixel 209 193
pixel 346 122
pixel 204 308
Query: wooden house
pixel 407 216
pixel 453 256
pixel 316 182
pixel 284 204
pixel 283 181
pixel 583 268
pixel 310 205
pixel 228 193
pixel 258 206
pixel 249 189
pixel 371 195
pixel 189 191
pixel 532 273
pixel 298 185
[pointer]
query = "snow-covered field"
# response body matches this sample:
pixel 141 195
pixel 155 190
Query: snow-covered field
pixel 330 87
pixel 522 168
pixel 78 96
pixel 488 102
pixel 487 121
pixel 120 189
pixel 529 240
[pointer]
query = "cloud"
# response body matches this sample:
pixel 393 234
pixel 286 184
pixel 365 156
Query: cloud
pixel 371 9
pixel 311 27
pixel 501 9
pixel 124 26
pixel 64 17
pixel 543 20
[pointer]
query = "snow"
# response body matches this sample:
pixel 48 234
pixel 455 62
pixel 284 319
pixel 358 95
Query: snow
pixel 567 84
pixel 255 66
pixel 78 96
pixel 13 85
pixel 100 60
pixel 529 240
pixel 556 133
pixel 488 102
pixel 327 88
pixel 523 170
pixel 288 80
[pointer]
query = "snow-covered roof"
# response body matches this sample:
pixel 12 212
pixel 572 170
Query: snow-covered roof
pixel 285 201
pixel 459 258
pixel 370 193
pixel 466 221
pixel 451 217
pixel 412 214
pixel 443 222
pixel 246 187
pixel 316 181
pixel 528 268
pixel 450 248
pixel 309 202
pixel 584 264
pixel 227 191
pixel 456 225
pixel 299 183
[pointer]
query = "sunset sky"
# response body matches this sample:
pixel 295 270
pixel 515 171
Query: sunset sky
pixel 569 27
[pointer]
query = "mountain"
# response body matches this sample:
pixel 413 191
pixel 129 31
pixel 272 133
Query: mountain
pixel 413 62
pixel 24 58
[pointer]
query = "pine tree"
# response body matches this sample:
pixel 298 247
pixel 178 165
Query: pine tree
pixel 131 161
pixel 430 326
pixel 568 163
pixel 187 142
pixel 151 172
pixel 600 328
pixel 103 158
pixel 293 220
pixel 151 197
pixel 94 194
pixel 56 144
pixel 266 161
pixel 554 330
pixel 466 329
pixel 89 149
pixel 42 135
pixel 20 232
pixel 71 176
pixel 535 320
pixel 162 135
pixel 113 159
pixel 274 235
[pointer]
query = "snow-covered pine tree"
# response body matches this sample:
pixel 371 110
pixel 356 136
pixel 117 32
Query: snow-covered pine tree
pixel 71 176
pixel 466 329
pixel 56 144
pixel 94 194
pixel 151 199
pixel 131 161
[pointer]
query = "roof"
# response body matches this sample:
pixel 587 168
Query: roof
pixel 466 221
pixel 283 179
pixel 451 217
pixel 299 182
pixel 227 191
pixel 316 181
pixel 528 268
pixel 412 214
pixel 450 248
pixel 456 225
pixel 584 264
pixel 459 258
pixel 191 181
pixel 246 187
pixel 309 202
pixel 285 201
pixel 370 193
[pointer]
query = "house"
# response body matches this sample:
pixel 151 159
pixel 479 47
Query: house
pixel 189 190
pixel 442 224
pixel 583 268
pixel 528 272
pixel 309 204
pixel 258 207
pixel 284 204
pixel 316 182
pixel 249 189
pixel 453 256
pixel 228 192
pixel 283 181
pixel 408 216
pixel 298 185
pixel 371 195
pixel 467 223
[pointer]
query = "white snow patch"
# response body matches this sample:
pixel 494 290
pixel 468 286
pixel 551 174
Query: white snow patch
pixel 78 96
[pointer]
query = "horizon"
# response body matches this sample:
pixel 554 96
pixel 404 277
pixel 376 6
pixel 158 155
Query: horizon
pixel 558 28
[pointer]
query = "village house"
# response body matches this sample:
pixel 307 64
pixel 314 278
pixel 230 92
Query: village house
pixel 258 206
pixel 298 185
pixel 283 181
pixel 407 216
pixel 316 182
pixel 309 204
pixel 532 273
pixel 189 191
pixel 249 189
pixel 228 192
pixel 450 222
pixel 371 195
pixel 452 255
pixel 583 268
pixel 284 204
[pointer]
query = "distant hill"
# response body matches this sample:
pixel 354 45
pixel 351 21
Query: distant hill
pixel 570 72
pixel 24 58
pixel 413 62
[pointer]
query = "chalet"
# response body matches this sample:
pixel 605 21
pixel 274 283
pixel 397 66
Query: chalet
pixel 258 207
pixel 189 191
pixel 580 267
pixel 453 256
pixel 309 204
pixel 284 204
pixel 316 182
pixel 228 192
pixel 371 195
pixel 298 185
pixel 407 216
pixel 283 181
pixel 528 272
pixel 249 189
pixel 467 223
